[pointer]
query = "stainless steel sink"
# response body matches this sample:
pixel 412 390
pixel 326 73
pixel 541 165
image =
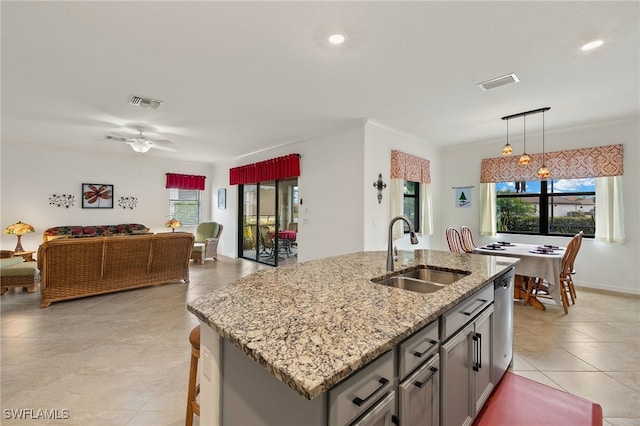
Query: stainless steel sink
pixel 422 280
pixel 434 275
pixel 411 284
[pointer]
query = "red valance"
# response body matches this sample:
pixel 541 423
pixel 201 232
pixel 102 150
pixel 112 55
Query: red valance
pixel 273 169
pixel 175 180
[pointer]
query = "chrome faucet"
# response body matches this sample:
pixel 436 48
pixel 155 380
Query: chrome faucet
pixel 412 236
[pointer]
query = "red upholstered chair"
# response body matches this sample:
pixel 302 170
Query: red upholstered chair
pixel 454 240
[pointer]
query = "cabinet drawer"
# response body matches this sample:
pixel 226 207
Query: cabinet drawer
pixel 381 414
pixel 417 349
pixel 352 397
pixel 459 315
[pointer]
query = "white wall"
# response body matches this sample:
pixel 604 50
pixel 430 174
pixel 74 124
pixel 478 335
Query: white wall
pixel 32 173
pixel 330 216
pixel 379 142
pixel 599 265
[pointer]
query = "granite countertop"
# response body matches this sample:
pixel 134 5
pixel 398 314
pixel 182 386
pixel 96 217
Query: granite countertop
pixel 313 324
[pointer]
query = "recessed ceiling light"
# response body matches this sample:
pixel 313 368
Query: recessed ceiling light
pixel 592 45
pixel 336 38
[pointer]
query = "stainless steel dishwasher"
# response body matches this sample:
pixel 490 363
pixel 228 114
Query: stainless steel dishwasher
pixel 502 324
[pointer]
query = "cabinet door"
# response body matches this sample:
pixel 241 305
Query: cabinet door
pixel 456 378
pixel 380 414
pixel 482 361
pixel 419 396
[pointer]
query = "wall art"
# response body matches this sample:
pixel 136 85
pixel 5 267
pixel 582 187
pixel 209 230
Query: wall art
pixel 97 196
pixel 222 199
pixel 128 202
pixel 62 200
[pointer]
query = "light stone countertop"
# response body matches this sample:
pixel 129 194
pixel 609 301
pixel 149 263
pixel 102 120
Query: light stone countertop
pixel 313 324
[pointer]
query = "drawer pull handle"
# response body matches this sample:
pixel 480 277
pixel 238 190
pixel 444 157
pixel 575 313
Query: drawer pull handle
pixel 359 401
pixel 421 354
pixel 434 370
pixel 482 302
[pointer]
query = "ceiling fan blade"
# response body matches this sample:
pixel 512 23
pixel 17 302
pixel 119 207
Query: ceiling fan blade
pixel 160 141
pixel 116 138
pixel 163 148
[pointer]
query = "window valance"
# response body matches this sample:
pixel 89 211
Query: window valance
pixel 409 167
pixel 284 167
pixel 580 163
pixel 179 181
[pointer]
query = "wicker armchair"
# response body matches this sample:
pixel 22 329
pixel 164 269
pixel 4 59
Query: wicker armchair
pixel 206 241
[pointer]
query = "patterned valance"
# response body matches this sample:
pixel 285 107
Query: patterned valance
pixel 580 163
pixel 409 167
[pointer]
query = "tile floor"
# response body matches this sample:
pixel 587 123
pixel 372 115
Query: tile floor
pixel 123 359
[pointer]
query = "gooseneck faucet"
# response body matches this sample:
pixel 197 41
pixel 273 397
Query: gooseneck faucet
pixel 412 236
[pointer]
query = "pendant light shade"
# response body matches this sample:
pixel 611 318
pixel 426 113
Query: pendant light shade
pixel 507 150
pixel 524 158
pixel 543 172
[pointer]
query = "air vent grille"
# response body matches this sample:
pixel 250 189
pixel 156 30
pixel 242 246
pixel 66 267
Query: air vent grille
pixel 143 102
pixel 498 82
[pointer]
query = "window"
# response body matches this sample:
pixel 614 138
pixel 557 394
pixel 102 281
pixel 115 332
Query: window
pixel 553 207
pixel 184 205
pixel 411 204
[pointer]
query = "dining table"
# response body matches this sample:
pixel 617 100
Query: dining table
pixel 536 261
pixel 285 238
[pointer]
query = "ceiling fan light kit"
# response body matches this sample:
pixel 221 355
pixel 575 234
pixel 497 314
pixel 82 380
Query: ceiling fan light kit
pixel 141 144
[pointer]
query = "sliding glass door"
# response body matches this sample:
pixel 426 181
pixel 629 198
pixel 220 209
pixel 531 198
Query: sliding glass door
pixel 268 219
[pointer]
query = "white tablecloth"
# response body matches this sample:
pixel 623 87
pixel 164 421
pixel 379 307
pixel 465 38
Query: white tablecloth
pixel 545 266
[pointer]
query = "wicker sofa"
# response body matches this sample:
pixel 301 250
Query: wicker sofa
pixel 71 268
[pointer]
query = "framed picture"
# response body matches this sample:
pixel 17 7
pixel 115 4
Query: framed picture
pixel 222 199
pixel 97 196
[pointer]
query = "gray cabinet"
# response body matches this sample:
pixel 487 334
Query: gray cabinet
pixel 466 358
pixel 419 396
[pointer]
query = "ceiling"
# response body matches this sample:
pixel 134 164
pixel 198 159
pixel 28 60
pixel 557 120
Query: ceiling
pixel 240 77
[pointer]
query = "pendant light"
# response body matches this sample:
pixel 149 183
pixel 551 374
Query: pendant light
pixel 543 172
pixel 507 150
pixel 524 158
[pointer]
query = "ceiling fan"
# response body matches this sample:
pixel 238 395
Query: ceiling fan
pixel 141 143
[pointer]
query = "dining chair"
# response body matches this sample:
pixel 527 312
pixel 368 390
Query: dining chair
pixel 454 240
pixel 468 243
pixel 540 288
pixel 572 268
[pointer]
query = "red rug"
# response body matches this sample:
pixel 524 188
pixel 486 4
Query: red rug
pixel 518 401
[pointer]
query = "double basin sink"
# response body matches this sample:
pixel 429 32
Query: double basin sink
pixel 423 279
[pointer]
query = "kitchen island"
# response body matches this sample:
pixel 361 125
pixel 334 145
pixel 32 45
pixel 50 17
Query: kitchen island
pixel 314 324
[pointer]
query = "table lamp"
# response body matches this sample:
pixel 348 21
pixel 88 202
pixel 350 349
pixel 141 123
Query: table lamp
pixel 173 224
pixel 18 229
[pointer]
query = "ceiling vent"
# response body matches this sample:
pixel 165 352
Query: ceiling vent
pixel 143 102
pixel 498 82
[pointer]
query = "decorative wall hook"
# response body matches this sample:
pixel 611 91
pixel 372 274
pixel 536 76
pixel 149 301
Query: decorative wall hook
pixel 379 185
pixel 60 200
pixel 128 202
